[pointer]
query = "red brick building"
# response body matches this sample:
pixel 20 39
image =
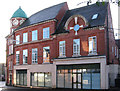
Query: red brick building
pixel 61 48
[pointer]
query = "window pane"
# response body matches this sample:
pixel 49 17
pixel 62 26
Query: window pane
pixel 46 54
pixel 40 79
pixel 95 80
pixel 25 79
pixel 34 79
pixel 17 57
pixel 17 78
pixel 46 32
pixel 60 80
pixel 86 80
pixel 68 80
pixel 92 44
pixel 48 82
pixel 10 49
pixel 21 79
pixel 62 48
pixel 25 37
pixel 76 47
pixel 34 55
pixel 17 39
pixel 34 35
pixel 25 56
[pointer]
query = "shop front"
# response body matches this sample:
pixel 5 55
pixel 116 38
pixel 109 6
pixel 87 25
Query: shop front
pixel 80 76
pixel 41 79
pixel 82 73
pixel 21 77
pixel 35 75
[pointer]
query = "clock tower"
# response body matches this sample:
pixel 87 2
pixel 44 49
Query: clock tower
pixel 17 19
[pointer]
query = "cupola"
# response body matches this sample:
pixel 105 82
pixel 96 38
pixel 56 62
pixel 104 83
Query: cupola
pixel 19 13
pixel 17 19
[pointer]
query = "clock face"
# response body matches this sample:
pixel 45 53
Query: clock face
pixel 15 22
pixel 21 21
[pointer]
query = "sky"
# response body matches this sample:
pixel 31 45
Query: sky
pixel 8 7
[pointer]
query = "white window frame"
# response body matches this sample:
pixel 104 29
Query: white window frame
pixel 93 52
pixel 25 37
pixel 10 65
pixel 34 56
pixel 10 49
pixel 46 32
pixel 62 51
pixel 77 47
pixel 18 39
pixel 34 35
pixel 25 54
pixel 17 56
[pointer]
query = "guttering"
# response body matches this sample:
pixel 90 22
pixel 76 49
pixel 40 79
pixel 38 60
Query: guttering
pixel 107 36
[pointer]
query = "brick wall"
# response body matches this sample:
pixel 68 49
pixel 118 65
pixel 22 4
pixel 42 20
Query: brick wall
pixel 112 58
pixel 36 44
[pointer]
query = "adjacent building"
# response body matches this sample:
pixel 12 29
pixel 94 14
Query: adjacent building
pixel 61 48
pixel 2 71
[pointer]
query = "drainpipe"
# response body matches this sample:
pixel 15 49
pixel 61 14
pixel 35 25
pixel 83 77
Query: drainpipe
pixel 107 36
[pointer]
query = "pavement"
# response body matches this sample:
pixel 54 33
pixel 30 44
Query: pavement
pixel 3 87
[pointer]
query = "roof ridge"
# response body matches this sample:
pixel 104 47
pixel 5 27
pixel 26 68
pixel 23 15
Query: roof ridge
pixel 47 8
pixel 88 6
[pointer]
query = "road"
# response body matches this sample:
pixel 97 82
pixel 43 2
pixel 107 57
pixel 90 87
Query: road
pixel 11 88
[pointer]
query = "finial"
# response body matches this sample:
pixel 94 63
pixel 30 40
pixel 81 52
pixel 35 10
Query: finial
pixel 19 6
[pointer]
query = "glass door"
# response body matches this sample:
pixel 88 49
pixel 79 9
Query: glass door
pixel 10 79
pixel 77 80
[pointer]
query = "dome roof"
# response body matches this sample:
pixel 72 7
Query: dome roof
pixel 19 13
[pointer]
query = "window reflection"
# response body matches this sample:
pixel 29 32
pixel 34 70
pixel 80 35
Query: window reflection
pixel 21 77
pixel 46 54
pixel 41 79
pixel 79 76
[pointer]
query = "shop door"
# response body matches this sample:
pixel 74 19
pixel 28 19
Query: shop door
pixel 77 78
pixel 10 79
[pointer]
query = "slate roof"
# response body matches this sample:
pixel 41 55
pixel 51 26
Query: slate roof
pixel 87 12
pixel 43 15
pixel 52 12
pixel 19 13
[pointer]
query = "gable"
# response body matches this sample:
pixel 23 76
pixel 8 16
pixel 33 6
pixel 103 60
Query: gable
pixel 87 12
